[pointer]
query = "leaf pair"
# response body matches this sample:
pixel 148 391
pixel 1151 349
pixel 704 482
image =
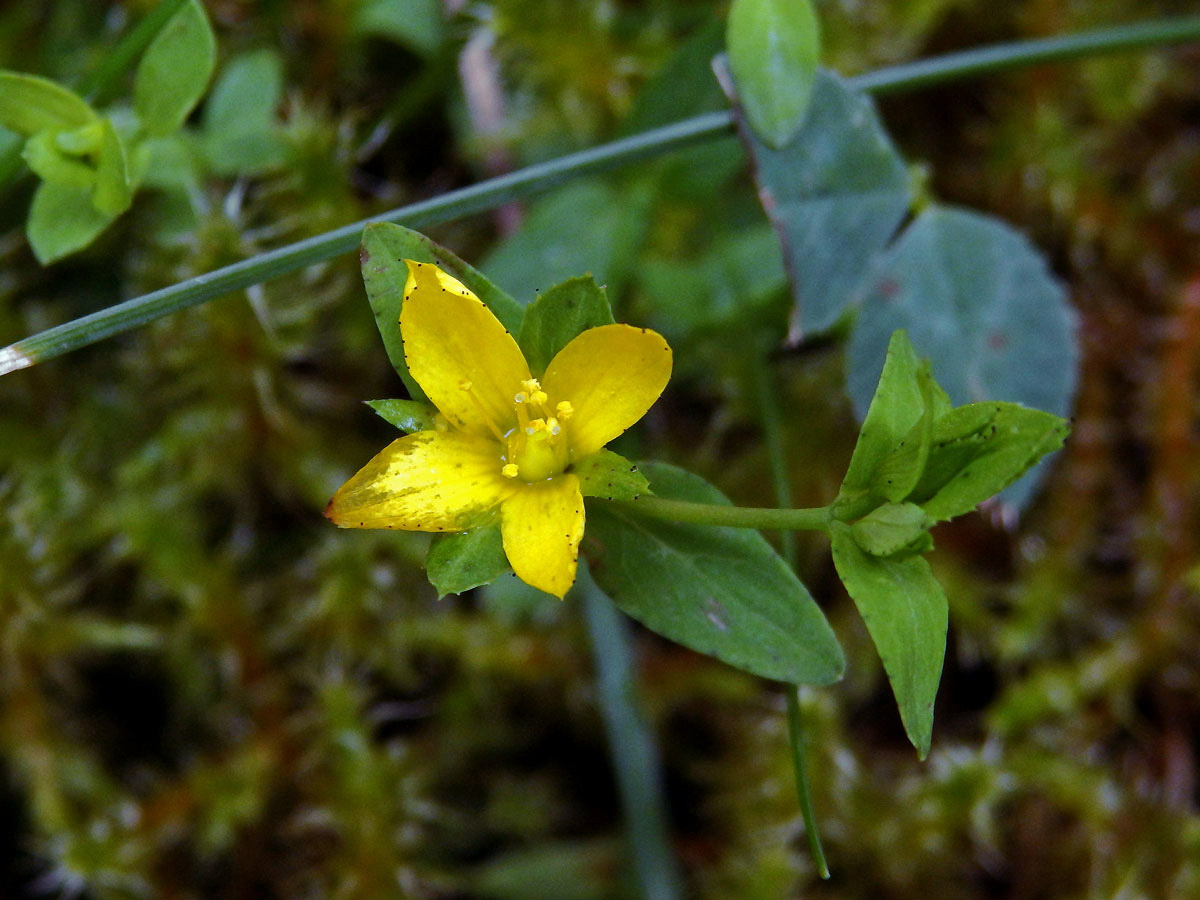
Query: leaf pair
pixel 91 165
pixel 920 461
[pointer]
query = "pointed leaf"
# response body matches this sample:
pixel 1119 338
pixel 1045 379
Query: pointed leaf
pixel 905 611
pixel 720 591
pixel 774 47
pixel 892 528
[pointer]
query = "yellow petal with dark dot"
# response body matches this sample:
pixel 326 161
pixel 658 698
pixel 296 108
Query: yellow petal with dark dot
pixel 611 376
pixel 428 481
pixel 542 525
pixel 458 352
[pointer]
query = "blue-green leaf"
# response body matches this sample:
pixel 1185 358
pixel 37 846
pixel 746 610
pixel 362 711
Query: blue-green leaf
pixel 459 562
pixel 836 194
pixel 241 133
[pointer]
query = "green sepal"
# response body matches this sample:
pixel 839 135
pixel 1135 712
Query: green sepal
pixel 30 105
pixel 408 415
pixel 174 71
pixel 464 560
pixel 899 471
pixel 894 528
pixel 384 248
pixel 610 476
pixel 114 188
pixel 558 315
pixel 906 613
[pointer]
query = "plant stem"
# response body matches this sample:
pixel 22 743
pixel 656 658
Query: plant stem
pixel 631 746
pixel 543 176
pixel 772 423
pixel 813 519
pixel 799 762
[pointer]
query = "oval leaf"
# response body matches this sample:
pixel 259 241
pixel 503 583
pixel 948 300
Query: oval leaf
pixel 174 71
pixel 29 104
pixel 774 47
pixel 720 591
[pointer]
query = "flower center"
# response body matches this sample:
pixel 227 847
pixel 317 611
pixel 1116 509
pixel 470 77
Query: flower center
pixel 537 448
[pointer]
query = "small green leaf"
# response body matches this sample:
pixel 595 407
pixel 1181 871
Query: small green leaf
pixel 114 192
pixel 30 105
pixel 417 24
pixel 720 591
pixel 241 134
pixel 610 476
pixel 62 220
pixel 899 472
pixel 174 71
pixel 774 47
pixel 558 315
pixel 53 165
pixel 892 528
pixel 407 415
pixel 459 562
pixel 905 611
pixel 897 406
pixel 384 248
pixel 987 461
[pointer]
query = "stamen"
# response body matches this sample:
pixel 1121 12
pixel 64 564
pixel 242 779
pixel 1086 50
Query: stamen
pixel 552 425
pixel 511 470
pixel 535 426
pixel 564 409
pixel 466 385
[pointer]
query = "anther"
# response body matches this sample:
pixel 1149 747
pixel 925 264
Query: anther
pixel 465 385
pixel 564 409
pixel 511 470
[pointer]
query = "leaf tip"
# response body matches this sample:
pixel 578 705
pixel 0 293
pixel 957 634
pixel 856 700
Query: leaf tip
pixel 12 359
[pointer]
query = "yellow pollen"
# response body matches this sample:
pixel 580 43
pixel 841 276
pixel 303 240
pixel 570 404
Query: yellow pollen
pixel 535 426
pixel 564 409
pixel 539 397
pixel 465 385
pixel 552 425
pixel 511 470
pixel 531 385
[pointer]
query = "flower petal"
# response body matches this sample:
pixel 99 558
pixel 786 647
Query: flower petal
pixel 428 481
pixel 542 525
pixel 611 376
pixel 452 340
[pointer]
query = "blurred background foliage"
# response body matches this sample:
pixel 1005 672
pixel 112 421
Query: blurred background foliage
pixel 207 690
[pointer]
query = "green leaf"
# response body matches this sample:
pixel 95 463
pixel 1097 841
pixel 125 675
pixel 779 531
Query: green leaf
pixel 558 315
pixel 588 226
pixel 114 190
pixel 417 24
pixel 896 476
pixel 610 476
pixel 30 105
pixel 384 248
pixel 241 133
pixel 897 405
pixel 774 47
pixel 407 415
pixel 720 591
pixel 905 611
pixel 970 462
pixel 892 528
pixel 47 159
pixel 978 299
pixel 174 70
pixel 62 220
pixel 459 562
pixel 836 194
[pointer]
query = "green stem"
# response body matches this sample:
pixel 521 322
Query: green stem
pixel 526 182
pixel 813 519
pixel 635 759
pixel 796 733
pixel 772 422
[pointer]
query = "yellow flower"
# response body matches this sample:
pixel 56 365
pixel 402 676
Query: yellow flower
pixel 505 441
